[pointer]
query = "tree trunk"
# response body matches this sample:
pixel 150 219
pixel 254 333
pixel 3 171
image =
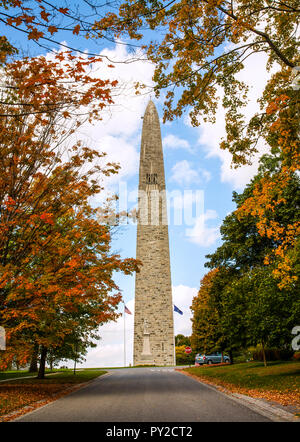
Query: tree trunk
pixel 222 357
pixel 51 361
pixel 75 357
pixel 230 356
pixel 41 373
pixel 34 360
pixel 264 353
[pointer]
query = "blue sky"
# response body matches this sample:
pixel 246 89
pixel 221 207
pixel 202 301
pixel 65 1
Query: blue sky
pixel 193 162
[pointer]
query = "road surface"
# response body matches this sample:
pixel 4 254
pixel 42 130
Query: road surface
pixel 144 395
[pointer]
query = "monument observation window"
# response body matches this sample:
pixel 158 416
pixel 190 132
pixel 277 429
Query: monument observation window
pixel 151 178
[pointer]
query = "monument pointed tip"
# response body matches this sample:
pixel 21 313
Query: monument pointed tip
pixel 150 103
pixel 150 110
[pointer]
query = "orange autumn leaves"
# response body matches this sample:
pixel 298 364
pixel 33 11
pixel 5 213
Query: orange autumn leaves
pixel 266 197
pixel 47 218
pixel 36 18
pixel 15 398
pixel 56 263
pixel 282 132
pixel 205 319
pixel 60 83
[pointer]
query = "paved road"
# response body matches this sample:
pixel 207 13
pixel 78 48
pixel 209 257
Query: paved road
pixel 144 395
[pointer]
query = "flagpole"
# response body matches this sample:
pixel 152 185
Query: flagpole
pixel 174 337
pixel 124 338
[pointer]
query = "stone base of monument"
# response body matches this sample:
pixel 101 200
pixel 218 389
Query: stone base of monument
pixel 146 361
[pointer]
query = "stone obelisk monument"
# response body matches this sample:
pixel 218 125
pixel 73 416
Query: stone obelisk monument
pixel 153 320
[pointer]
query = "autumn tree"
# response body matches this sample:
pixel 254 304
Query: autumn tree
pixel 56 267
pixel 244 309
pixel 42 23
pixel 202 44
pixel 205 317
pixel 218 317
pixel 37 23
pixel 254 235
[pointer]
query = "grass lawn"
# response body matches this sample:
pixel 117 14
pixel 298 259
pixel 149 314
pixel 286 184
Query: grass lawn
pixel 279 381
pixel 19 374
pixel 33 392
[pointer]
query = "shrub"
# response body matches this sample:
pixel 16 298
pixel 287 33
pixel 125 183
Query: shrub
pixel 273 354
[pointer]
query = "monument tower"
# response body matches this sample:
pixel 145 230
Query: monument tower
pixel 153 319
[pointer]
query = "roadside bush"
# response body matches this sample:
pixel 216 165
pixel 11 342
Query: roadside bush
pixel 245 355
pixel 273 354
pixel 182 358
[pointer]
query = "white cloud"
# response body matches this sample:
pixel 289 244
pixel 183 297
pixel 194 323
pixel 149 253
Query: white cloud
pixel 206 175
pixel 184 173
pixel 110 350
pixel 118 132
pixel 186 199
pixel 182 298
pixel 202 234
pixel 121 151
pixel 173 142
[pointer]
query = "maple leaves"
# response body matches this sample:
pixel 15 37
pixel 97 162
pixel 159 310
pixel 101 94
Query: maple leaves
pixel 31 19
pixel 189 51
pixel 60 84
pixel 280 127
pixel 76 30
pixel 56 264
pixel 47 218
pixel 42 21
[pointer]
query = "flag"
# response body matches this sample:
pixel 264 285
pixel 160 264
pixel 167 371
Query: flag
pixel 176 309
pixel 127 310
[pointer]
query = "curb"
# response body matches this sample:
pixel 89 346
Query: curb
pixel 272 412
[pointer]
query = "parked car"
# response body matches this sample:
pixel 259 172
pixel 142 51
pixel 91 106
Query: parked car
pixel 212 358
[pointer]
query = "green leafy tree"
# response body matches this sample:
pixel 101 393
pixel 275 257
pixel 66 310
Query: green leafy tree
pixel 182 340
pixel 250 306
pixel 271 313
